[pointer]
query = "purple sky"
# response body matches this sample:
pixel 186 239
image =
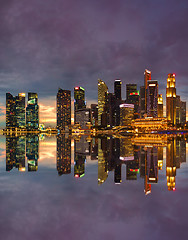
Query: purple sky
pixel 62 43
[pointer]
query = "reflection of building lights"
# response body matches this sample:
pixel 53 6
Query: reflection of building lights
pixel 22 169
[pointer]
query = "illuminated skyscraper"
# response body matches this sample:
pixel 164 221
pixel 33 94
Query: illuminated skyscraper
pixel 180 111
pixel 147 77
pixel 171 98
pixel 63 109
pixel 79 99
pixel 94 114
pixel 126 114
pixel 152 98
pixel 117 89
pixel 160 105
pixel 20 110
pixel 15 111
pixel 142 101
pixel 11 121
pixel 102 99
pixel 133 98
pixel 130 89
pixel 32 112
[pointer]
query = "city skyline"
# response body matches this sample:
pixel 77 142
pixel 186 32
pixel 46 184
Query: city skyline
pixel 70 44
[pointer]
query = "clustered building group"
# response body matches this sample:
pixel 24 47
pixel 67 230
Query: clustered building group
pixel 141 110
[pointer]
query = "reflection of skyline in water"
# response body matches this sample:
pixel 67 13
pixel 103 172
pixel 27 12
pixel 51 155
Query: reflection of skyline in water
pixel 140 160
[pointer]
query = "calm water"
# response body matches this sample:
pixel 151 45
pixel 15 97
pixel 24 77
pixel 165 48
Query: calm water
pixel 84 188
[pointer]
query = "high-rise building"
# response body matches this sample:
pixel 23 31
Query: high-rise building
pixel 63 109
pixel 32 112
pixel 94 114
pixel 130 88
pixel 20 110
pixel 133 98
pixel 15 111
pixel 83 116
pixel 126 114
pixel 152 98
pixel 117 89
pixel 102 99
pixel 112 109
pixel 79 98
pixel 147 77
pixel 11 121
pixel 160 105
pixel 180 111
pixel 142 101
pixel 171 98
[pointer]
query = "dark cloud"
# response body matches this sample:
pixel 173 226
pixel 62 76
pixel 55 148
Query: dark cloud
pixel 49 44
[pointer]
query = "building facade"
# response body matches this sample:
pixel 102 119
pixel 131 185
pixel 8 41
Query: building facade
pixel 63 109
pixel 171 98
pixel 102 99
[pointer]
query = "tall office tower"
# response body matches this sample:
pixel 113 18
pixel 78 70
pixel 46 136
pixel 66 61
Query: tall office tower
pixel 11 121
pixel 20 110
pixel 171 164
pixel 160 105
pixel 112 109
pixel 15 111
pixel 183 113
pixel 117 89
pixel 32 152
pixel 102 163
pixel 94 114
pixel 63 109
pixel 63 155
pixel 171 98
pixel 79 98
pixel 130 88
pixel 152 98
pixel 32 112
pixel 133 98
pixel 142 101
pixel 147 77
pixel 126 114
pixel 178 102
pixel 83 116
pixel 102 99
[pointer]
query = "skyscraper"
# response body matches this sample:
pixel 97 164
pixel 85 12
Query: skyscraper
pixel 117 89
pixel 79 98
pixel 11 121
pixel 160 105
pixel 152 98
pixel 147 77
pixel 142 101
pixel 102 99
pixel 130 89
pixel 32 112
pixel 133 98
pixel 171 98
pixel 15 111
pixel 63 109
pixel 126 114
